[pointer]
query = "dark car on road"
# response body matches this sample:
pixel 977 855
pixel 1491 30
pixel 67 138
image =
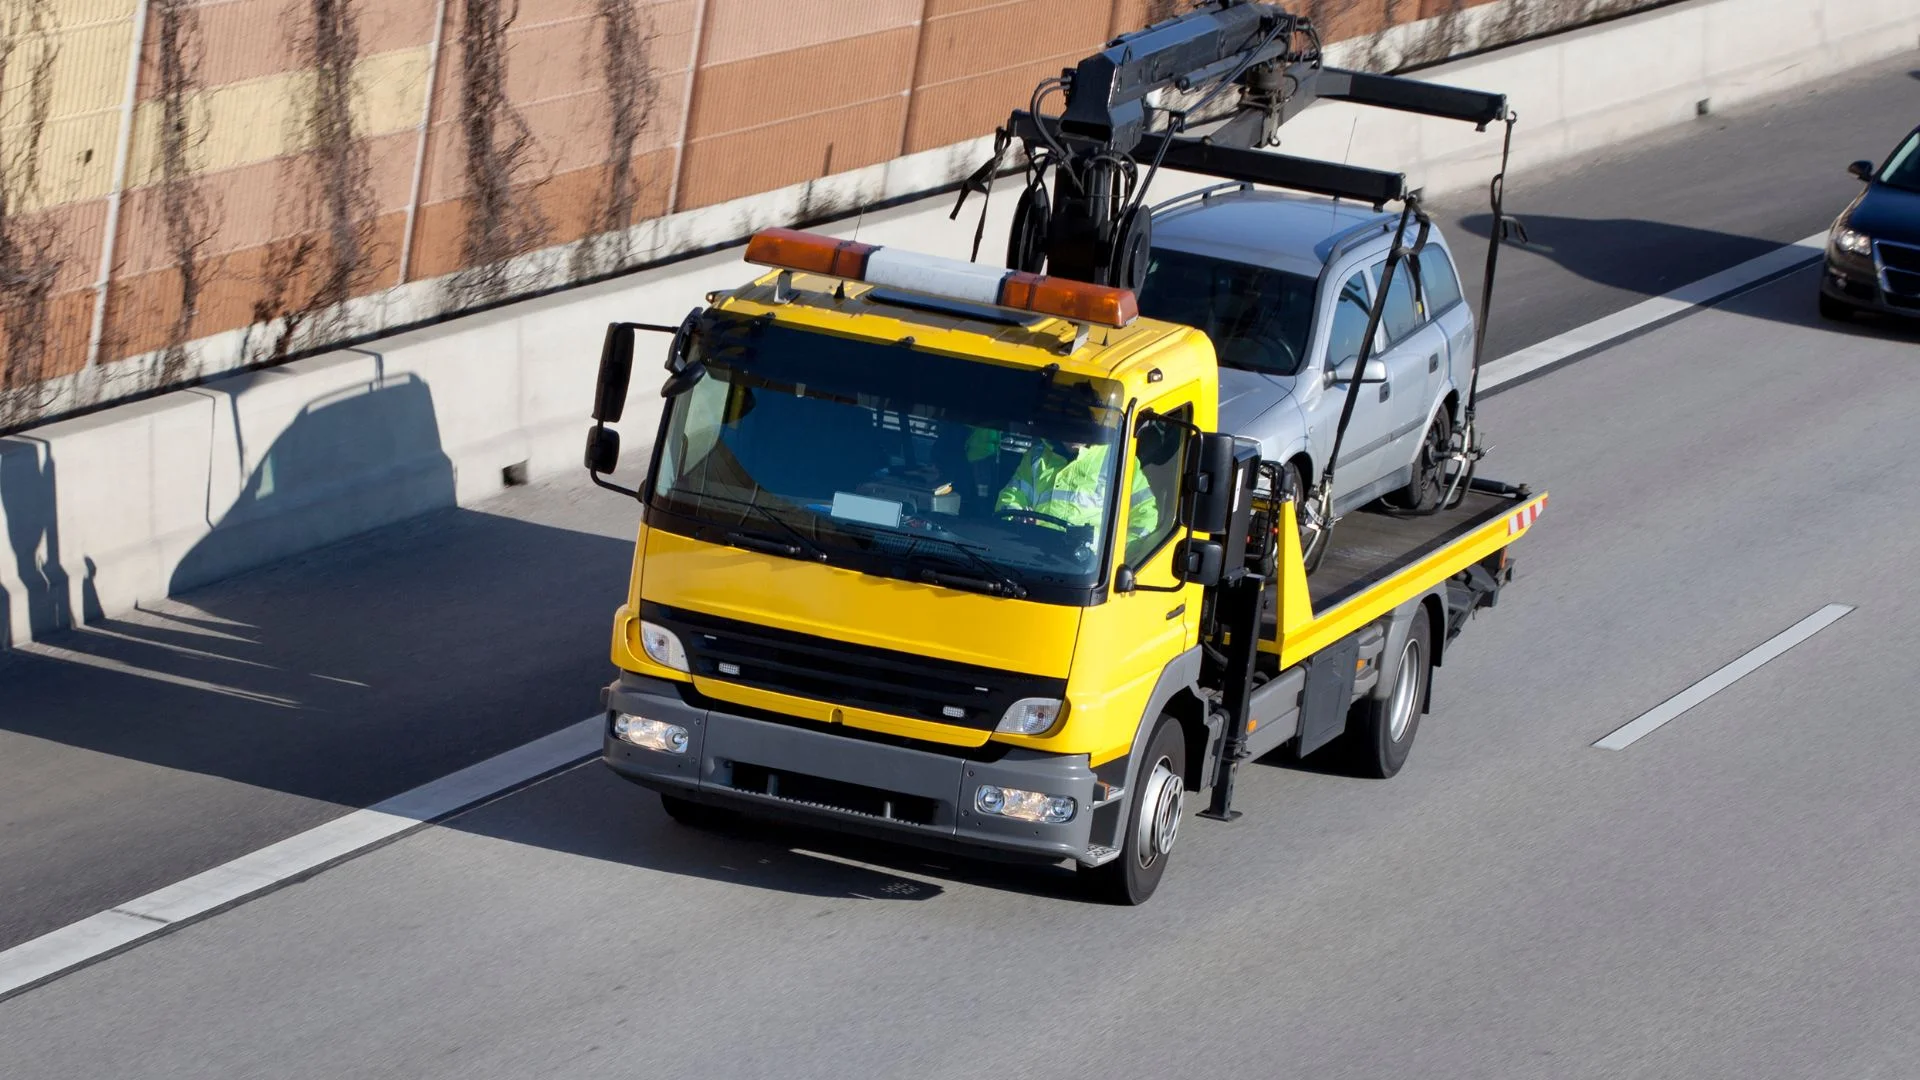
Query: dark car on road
pixel 1873 250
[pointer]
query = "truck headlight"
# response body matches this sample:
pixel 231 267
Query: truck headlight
pixel 1023 805
pixel 650 734
pixel 1031 716
pixel 1852 242
pixel 663 645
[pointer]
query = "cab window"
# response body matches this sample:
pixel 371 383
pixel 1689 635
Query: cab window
pixel 1159 453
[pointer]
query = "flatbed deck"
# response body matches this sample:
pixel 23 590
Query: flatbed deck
pixel 1370 545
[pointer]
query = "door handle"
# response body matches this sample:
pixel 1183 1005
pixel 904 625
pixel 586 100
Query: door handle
pixel 1386 391
pixel 1433 363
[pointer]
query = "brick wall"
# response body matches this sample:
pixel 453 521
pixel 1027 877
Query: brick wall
pixel 282 156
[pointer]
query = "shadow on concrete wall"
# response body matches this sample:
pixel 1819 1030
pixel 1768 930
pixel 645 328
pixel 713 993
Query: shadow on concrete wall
pixel 29 497
pixel 350 462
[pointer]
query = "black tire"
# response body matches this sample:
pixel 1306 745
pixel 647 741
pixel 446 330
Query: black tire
pixel 1837 310
pixel 1380 733
pixel 1135 873
pixel 1429 484
pixel 692 814
pixel 1313 542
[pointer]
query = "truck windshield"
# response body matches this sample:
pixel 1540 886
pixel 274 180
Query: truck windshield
pixel 892 459
pixel 1256 317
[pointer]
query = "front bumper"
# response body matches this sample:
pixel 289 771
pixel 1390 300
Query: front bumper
pixel 1860 282
pixel 802 771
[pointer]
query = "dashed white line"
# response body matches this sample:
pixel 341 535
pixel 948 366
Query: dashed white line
pixel 1627 734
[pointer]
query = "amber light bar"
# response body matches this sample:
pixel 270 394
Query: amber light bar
pixel 793 249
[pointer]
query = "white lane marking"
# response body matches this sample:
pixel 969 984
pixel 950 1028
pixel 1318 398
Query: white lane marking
pixel 75 944
pixel 1693 695
pixel 1621 323
pixel 81 942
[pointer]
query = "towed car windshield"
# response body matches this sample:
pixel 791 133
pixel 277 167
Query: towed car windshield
pixel 1903 168
pixel 890 459
pixel 1256 317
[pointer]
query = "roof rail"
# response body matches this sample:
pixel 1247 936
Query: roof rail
pixel 1203 194
pixel 1346 241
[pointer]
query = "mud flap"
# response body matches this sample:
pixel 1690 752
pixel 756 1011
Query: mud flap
pixel 1329 693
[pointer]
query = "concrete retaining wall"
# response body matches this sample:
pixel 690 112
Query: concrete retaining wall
pixel 102 512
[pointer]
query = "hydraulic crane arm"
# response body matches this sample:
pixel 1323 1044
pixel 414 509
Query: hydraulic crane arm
pixel 1246 66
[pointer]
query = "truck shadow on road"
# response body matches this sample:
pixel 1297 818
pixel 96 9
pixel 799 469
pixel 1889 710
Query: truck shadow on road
pixel 590 812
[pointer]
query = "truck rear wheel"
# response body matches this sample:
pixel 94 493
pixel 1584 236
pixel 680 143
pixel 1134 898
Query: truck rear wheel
pixel 1380 731
pixel 1155 808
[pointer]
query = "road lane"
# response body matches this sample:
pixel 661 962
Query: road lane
pixel 424 648
pixel 1727 900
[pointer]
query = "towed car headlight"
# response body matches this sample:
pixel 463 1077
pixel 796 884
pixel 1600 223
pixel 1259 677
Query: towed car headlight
pixel 1031 716
pixel 1851 241
pixel 663 645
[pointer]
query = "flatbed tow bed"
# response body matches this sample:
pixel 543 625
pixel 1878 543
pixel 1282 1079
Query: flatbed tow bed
pixel 1371 546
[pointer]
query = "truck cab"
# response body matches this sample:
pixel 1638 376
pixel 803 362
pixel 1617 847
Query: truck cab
pixel 1283 284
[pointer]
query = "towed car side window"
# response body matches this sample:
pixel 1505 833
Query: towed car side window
pixel 1438 283
pixel 1401 317
pixel 1349 326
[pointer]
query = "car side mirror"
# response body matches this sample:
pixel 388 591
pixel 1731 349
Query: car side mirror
pixel 1861 169
pixel 1376 372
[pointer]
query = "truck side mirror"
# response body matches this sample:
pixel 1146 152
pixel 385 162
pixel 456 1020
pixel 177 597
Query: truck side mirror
pixel 603 449
pixel 1199 562
pixel 1861 169
pixel 616 371
pixel 1208 498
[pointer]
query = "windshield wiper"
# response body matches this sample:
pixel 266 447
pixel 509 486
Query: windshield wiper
pixel 997 582
pixel 972 584
pixel 760 543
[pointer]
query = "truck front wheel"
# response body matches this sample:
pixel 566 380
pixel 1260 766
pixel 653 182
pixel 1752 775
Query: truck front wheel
pixel 1156 806
pixel 1380 730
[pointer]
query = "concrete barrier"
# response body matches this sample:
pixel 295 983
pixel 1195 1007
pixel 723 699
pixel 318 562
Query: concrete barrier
pixel 131 504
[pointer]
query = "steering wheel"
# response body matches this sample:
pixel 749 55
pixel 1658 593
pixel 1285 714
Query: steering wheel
pixel 1033 517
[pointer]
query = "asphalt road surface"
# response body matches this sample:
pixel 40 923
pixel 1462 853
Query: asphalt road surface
pixel 1731 896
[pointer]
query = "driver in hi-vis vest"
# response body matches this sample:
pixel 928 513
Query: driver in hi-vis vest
pixel 1069 488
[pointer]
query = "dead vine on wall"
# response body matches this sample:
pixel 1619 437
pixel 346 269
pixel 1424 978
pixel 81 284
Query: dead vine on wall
pixel 183 207
pixel 29 262
pixel 626 42
pixel 328 255
pixel 502 218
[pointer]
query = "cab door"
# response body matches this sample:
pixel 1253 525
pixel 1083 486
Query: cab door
pixel 1127 641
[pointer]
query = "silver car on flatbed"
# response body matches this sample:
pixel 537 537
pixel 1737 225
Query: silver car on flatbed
pixel 1283 284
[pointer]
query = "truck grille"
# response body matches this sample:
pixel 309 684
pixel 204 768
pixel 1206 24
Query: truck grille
pixel 822 669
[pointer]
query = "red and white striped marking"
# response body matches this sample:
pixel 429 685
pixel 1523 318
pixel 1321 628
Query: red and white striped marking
pixel 1517 523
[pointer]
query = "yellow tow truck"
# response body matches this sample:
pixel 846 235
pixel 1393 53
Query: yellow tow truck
pixel 847 609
